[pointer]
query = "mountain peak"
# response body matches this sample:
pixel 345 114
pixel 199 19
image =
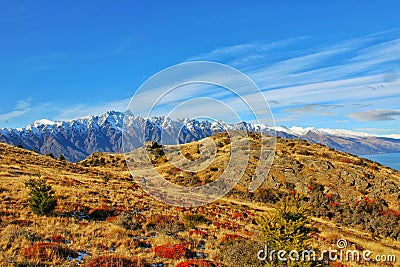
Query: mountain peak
pixel 43 122
pixel 78 138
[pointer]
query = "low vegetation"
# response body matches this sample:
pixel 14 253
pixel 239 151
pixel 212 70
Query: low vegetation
pixel 97 215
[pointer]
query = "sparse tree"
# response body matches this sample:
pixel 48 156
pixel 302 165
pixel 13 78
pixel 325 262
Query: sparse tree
pixel 42 197
pixel 62 157
pixel 286 228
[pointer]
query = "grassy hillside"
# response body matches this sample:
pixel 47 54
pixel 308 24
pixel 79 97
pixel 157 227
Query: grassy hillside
pixel 103 215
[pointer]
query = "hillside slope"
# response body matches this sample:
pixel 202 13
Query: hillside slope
pixel 102 211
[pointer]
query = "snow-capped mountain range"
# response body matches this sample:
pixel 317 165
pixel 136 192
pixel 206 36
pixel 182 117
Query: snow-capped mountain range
pixel 76 139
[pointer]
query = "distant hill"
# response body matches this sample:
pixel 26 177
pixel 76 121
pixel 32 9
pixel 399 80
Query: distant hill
pixel 76 139
pixel 298 165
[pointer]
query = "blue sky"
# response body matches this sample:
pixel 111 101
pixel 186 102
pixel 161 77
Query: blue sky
pixel 320 64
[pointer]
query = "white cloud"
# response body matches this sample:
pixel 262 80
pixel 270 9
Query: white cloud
pixel 354 74
pixel 243 54
pixel 23 103
pixel 223 52
pixel 375 115
pixel 322 109
pixel 353 70
pixel 12 115
pixel 22 106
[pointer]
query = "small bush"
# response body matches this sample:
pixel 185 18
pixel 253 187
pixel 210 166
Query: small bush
pixel 198 233
pixel 114 260
pixel 346 160
pixel 46 251
pixel 192 220
pixel 168 225
pixel 126 221
pixel 42 200
pixel 57 239
pixel 3 190
pixel 101 212
pixel 242 253
pixel 267 195
pixel 172 251
pixel 199 263
pixel 305 152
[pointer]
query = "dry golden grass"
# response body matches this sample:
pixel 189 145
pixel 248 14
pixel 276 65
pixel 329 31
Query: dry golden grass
pixel 83 187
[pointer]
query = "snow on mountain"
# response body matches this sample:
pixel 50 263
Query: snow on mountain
pixel 78 138
pixel 43 122
pixel 394 136
pixel 299 131
pixel 347 133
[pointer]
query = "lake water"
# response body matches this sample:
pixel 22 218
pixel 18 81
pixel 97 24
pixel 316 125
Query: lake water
pixel 391 159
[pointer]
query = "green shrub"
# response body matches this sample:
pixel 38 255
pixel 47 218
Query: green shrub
pixel 192 220
pixel 42 200
pixel 287 228
pixel 128 222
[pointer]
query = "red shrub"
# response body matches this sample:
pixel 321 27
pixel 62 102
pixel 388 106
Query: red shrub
pixel 333 204
pixel 197 232
pixel 172 251
pixel 114 260
pixel 238 215
pixel 46 251
pixel 368 200
pixel 57 238
pixel 217 224
pixel 112 218
pixel 105 200
pixel 176 170
pixel 373 167
pixel 395 213
pixel 310 187
pixel 246 232
pixel 336 264
pixel 202 210
pixel 101 212
pixel 346 160
pixel 119 207
pixel 230 237
pixel 199 263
